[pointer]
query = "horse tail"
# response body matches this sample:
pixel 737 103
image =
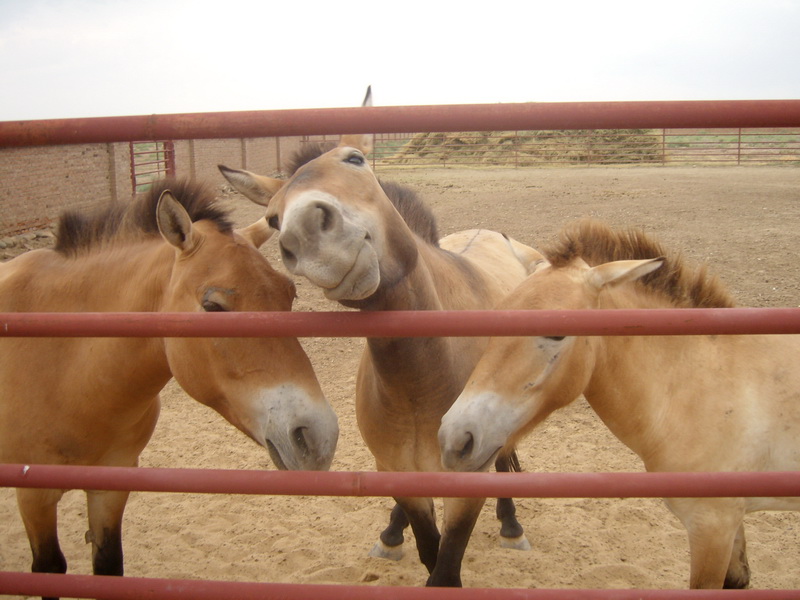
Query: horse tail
pixel 508 463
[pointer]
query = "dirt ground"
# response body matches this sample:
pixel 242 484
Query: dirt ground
pixel 744 221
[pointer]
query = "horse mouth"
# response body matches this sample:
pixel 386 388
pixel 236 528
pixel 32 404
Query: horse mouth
pixel 361 280
pixel 276 456
pixel 487 464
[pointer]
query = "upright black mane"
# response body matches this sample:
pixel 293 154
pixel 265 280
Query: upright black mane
pixel 596 243
pixel 79 233
pixel 306 154
pixel 417 215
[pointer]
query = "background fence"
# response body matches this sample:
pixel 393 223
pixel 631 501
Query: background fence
pixel 92 162
pixel 739 115
pixel 519 149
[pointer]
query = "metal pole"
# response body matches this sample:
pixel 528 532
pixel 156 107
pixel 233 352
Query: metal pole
pixel 405 119
pixel 460 323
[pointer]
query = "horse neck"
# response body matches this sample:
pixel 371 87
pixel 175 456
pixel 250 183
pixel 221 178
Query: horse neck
pixel 438 366
pixel 115 279
pixel 122 376
pixel 626 387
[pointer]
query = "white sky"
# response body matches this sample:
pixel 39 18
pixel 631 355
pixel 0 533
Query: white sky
pixel 92 58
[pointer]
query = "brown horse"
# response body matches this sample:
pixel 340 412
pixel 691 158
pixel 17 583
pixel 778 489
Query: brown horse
pixel 682 403
pixel 94 401
pixel 374 246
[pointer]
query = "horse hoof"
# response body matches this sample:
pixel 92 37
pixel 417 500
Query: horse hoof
pixel 381 550
pixel 517 543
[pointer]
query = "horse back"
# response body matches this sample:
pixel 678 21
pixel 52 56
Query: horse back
pixel 503 262
pixel 19 279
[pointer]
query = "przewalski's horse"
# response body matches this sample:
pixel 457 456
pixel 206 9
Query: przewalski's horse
pixel 682 403
pixel 94 401
pixel 374 246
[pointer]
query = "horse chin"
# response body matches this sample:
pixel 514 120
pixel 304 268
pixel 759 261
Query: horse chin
pixel 489 462
pixel 471 464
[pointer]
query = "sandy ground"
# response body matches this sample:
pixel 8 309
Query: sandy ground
pixel 744 221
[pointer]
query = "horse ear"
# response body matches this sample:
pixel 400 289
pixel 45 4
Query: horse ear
pixel 174 222
pixel 620 271
pixel 257 188
pixel 529 257
pixel 257 233
pixel 361 142
pixel 367 97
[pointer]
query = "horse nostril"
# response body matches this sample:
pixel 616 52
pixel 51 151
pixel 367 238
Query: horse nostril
pixel 289 259
pixel 326 219
pixel 466 449
pixel 299 438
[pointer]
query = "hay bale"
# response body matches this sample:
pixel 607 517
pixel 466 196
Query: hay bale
pixel 603 146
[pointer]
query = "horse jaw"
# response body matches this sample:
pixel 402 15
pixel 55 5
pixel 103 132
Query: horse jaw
pixel 331 249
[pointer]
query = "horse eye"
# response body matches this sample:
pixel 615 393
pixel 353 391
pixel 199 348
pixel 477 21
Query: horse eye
pixel 355 158
pixel 555 338
pixel 211 306
pixel 273 222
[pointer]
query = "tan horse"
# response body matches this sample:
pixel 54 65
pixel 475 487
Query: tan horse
pixel 374 246
pixel 94 401
pixel 682 403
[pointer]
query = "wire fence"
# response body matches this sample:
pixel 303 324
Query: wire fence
pixel 731 146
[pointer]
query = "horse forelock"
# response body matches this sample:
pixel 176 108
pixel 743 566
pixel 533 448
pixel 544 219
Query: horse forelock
pixel 597 243
pixel 78 233
pixel 306 154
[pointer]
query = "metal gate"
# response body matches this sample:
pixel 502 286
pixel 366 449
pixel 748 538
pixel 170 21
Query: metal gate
pixel 151 161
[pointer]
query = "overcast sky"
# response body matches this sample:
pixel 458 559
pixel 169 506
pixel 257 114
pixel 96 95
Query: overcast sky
pixel 91 58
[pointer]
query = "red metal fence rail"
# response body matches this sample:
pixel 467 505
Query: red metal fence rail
pixel 405 119
pixel 137 588
pixel 519 485
pixel 679 321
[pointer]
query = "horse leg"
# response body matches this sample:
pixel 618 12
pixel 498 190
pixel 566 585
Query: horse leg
pixel 713 525
pixel 421 516
pixel 105 530
pixel 390 543
pixel 460 516
pixel 511 533
pixel 738 575
pixel 40 517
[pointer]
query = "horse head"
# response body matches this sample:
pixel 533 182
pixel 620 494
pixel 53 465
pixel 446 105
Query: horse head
pixel 264 386
pixel 337 227
pixel 519 381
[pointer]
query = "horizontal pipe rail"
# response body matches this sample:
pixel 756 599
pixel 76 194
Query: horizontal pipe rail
pixel 136 588
pixel 682 321
pixel 404 119
pixel 413 484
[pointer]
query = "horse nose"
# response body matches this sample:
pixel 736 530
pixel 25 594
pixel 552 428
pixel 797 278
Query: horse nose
pixel 316 217
pixel 300 442
pixel 304 231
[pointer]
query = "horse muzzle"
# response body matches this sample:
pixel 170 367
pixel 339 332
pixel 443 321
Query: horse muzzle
pixel 319 242
pixel 299 432
pixel 468 439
